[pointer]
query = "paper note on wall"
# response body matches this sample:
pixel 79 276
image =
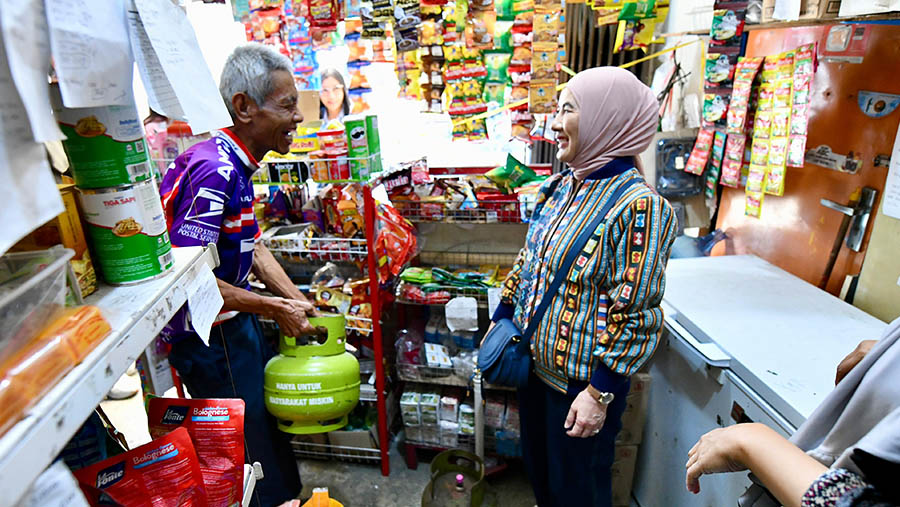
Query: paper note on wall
pixel 28 192
pixel 27 46
pixel 204 302
pixel 891 203
pixel 178 81
pixel 787 10
pixel 91 53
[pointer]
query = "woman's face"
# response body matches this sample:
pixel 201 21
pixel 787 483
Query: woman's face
pixel 565 124
pixel 332 94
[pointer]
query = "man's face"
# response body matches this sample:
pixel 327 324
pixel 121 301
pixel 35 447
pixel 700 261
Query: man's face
pixel 276 119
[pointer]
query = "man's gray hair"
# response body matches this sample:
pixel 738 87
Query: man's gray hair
pixel 249 70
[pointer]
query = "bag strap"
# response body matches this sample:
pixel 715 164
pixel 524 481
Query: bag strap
pixel 574 251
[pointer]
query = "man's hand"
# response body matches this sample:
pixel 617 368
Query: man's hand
pixel 586 416
pixel 292 316
pixel 853 359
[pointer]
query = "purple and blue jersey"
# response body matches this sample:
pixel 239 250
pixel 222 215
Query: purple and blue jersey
pixel 207 196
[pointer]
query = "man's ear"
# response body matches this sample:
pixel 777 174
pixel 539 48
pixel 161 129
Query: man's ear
pixel 244 108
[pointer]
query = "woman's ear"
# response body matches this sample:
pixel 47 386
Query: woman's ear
pixel 244 108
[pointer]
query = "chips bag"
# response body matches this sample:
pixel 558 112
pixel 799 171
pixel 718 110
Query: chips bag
pixel 144 477
pixel 216 428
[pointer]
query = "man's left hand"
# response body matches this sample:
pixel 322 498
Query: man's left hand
pixel 586 416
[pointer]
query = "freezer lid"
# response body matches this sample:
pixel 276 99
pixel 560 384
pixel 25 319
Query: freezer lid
pixel 785 336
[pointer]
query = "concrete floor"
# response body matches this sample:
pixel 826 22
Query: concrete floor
pixel 354 485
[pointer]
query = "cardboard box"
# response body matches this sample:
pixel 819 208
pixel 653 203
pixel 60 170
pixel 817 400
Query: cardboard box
pixel 308 102
pixel 635 410
pixel 65 230
pixel 351 441
pixel 809 9
pixel 623 474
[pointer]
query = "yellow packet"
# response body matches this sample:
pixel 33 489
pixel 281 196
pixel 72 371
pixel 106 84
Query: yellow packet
pixel 542 97
pixel 543 65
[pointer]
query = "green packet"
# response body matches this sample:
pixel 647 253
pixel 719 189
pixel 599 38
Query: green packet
pixel 512 175
pixel 416 275
pixel 495 93
pixel 638 10
pixel 497 65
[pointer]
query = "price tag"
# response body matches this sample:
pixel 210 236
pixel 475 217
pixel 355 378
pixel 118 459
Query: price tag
pixel 491 216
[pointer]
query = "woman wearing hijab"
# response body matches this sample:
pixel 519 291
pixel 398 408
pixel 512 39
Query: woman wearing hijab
pixel 603 323
pixel 847 454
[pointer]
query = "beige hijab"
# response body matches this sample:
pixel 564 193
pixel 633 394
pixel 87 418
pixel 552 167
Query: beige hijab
pixel 617 117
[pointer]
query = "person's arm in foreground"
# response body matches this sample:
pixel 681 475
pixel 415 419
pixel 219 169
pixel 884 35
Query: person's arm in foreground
pixel 781 466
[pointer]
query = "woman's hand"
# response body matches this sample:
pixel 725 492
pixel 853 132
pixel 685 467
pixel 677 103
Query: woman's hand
pixel 718 451
pixel 586 416
pixel 487 332
pixel 853 359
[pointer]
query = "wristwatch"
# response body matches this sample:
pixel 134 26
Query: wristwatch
pixel 600 397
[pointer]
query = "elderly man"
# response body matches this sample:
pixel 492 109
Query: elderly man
pixel 208 198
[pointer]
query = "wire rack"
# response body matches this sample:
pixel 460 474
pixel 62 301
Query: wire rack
pixel 405 294
pixel 302 249
pixel 435 375
pixel 434 258
pixel 358 324
pixel 311 450
pixel 483 212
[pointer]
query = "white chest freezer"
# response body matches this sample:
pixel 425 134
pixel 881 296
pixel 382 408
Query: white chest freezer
pixel 743 341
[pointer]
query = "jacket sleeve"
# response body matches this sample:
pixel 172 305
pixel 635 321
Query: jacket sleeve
pixel 640 241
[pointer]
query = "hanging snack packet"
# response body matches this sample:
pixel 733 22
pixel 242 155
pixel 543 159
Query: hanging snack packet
pixel 503 36
pixel 497 65
pixel 756 179
pixel 543 65
pixel 144 477
pixel 719 69
pixel 480 29
pixel 753 205
pixel 727 26
pixel 759 151
pixel 216 428
pixel 512 175
pixel 542 97
pixel 700 153
pixel 734 156
pixel 715 105
pixel 546 29
pixel 796 151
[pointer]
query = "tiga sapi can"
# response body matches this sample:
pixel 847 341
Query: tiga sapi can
pixel 127 230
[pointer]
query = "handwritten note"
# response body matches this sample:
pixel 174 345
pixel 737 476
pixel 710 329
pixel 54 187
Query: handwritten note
pixel 27 46
pixel 28 192
pixel 204 302
pixel 891 206
pixel 172 67
pixel 91 52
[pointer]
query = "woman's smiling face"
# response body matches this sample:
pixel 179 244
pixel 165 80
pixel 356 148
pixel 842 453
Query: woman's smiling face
pixel 565 124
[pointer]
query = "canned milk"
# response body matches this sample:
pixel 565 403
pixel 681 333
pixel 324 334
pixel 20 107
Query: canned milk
pixel 105 144
pixel 127 229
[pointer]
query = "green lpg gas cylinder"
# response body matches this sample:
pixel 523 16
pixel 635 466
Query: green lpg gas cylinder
pixel 313 383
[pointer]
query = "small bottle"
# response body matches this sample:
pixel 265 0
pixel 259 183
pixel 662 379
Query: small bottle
pixel 431 330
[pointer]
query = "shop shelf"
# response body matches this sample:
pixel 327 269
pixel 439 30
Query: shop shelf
pixel 480 295
pixel 483 212
pixel 136 313
pixel 310 450
pixel 291 243
pixel 467 258
pixel 433 375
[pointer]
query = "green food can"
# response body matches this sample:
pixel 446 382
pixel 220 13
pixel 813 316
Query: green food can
pixel 127 230
pixel 105 144
pixel 374 142
pixel 357 147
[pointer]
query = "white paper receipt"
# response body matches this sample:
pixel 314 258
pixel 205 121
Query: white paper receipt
pixel 204 302
pixel 462 314
pixel 493 300
pixel 172 67
pixel 891 203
